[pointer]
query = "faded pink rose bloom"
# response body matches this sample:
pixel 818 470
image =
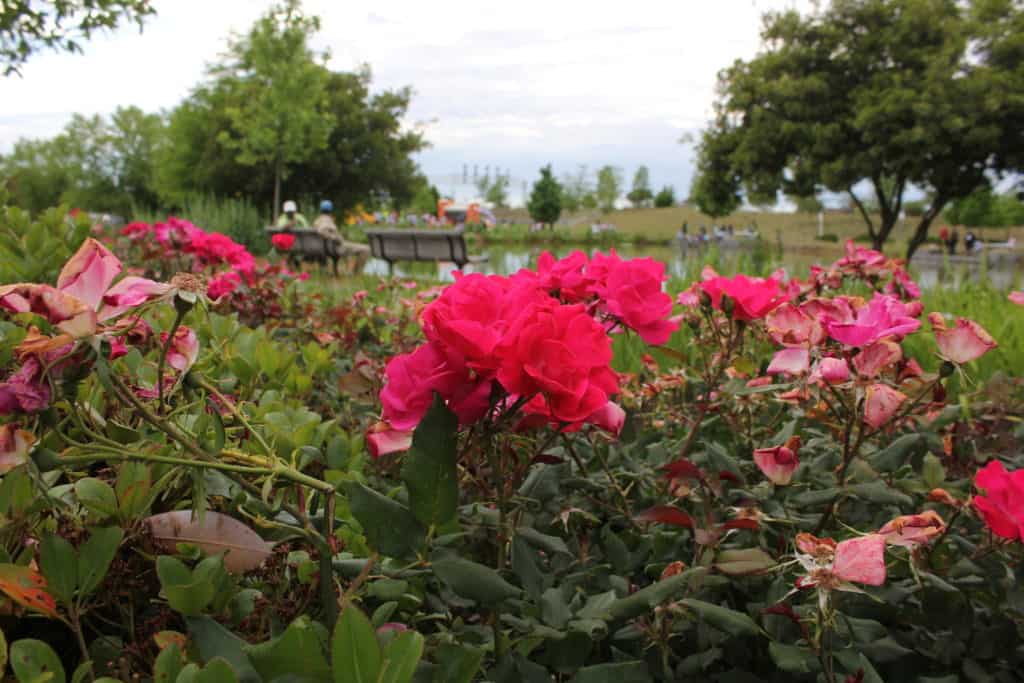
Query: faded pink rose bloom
pixel 911 531
pixel 881 404
pixel 130 292
pixel 779 462
pixel 69 314
pixel 875 358
pixel 184 348
pixel 902 282
pixel 1017 298
pixel 789 325
pixel 611 418
pixel 383 440
pixel 861 560
pixel 832 370
pixel 862 259
pixel 25 391
pixel 884 316
pixel 964 342
pixel 689 297
pixel 790 361
pixel 15 445
pixel 88 274
pixel 837 566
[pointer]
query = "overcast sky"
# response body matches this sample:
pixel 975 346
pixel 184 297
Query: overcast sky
pixel 513 85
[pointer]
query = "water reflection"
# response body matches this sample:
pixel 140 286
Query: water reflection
pixel 686 265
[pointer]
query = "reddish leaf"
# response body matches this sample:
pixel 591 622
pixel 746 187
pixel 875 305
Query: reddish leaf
pixel 547 459
pixel 741 524
pixel 683 469
pixel 728 476
pixel 666 514
pixel 27 588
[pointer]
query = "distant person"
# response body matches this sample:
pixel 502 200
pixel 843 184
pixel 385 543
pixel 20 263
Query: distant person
pixel 291 218
pixel 954 237
pixel 703 234
pixel 324 223
pixel 944 235
pixel 971 242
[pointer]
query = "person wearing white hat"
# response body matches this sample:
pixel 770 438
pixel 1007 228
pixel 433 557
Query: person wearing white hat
pixel 291 218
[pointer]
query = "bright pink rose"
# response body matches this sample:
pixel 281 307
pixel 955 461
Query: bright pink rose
pixel 223 284
pixel 1017 298
pixel 1001 503
pixel 631 291
pixel 15 445
pixel 562 278
pixel 792 361
pixel 885 316
pixel 911 531
pixel 963 343
pixel 283 241
pixel 881 404
pixel 561 352
pixel 903 284
pixel 779 462
pixel 875 358
pixel 752 297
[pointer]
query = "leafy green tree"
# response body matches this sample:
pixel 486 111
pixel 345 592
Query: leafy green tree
pixel 641 193
pixel 545 203
pixel 609 187
pixel 497 193
pixel 26 27
pixel 589 200
pixel 665 198
pixel 884 92
pixel 283 117
pixel 425 198
pixel 575 186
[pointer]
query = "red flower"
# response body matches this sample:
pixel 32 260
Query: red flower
pixel 283 241
pixel 1002 503
pixel 631 291
pixel 752 297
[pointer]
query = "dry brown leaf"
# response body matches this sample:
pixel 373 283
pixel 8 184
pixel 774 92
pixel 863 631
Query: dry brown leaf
pixel 216 533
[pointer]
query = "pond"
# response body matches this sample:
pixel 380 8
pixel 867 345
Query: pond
pixel 685 265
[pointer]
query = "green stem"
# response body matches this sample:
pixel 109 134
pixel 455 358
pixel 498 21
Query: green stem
pixel 233 409
pixel 179 316
pixel 112 456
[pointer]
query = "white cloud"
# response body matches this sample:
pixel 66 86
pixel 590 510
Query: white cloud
pixel 518 84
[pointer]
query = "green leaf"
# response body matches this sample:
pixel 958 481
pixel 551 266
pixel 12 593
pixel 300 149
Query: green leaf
pixel 793 659
pixel 619 672
pixel 932 472
pixel 133 486
pixel 187 593
pixel 895 454
pixel 95 556
pixel 168 665
pixel 3 651
pixel 97 497
pixel 879 492
pixel 389 526
pixel 355 652
pixel 646 599
pixel 457 664
pixel 59 564
pixel 474 581
pixel 298 652
pixel 34 661
pixel 213 640
pixel 217 671
pixel 747 561
pixel 429 469
pixel 724 619
pixel 401 656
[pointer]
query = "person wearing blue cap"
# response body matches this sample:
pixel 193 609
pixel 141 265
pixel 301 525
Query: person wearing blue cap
pixel 324 223
pixel 355 254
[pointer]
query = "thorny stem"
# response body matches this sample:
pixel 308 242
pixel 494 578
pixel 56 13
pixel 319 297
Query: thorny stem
pixel 178 318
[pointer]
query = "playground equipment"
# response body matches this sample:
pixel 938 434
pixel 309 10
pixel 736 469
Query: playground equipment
pixel 468 214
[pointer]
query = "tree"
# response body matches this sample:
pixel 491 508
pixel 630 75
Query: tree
pixel 889 93
pixel 284 117
pixel 493 191
pixel 641 193
pixel 809 204
pixel 609 187
pixel 425 199
pixel 28 27
pixel 665 198
pixel 575 187
pixel 545 203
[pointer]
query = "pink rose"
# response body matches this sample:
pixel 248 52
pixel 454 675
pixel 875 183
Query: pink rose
pixel 779 462
pixel 130 292
pixel 752 297
pixel 875 358
pixel 881 404
pixel 832 370
pixel 561 352
pixel 861 560
pixel 184 349
pixel 885 316
pixel 1001 499
pixel 412 379
pixel 964 342
pixel 790 361
pixel 25 391
pixel 631 291
pixel 1017 298
pixel 87 275
pixel 788 325
pixel 223 284
pixel 385 440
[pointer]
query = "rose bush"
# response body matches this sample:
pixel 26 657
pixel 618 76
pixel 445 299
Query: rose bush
pixel 573 479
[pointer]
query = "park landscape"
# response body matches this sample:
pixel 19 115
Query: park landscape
pixel 220 462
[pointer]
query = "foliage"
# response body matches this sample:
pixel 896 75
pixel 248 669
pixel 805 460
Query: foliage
pixel 641 193
pixel 494 191
pixel 810 204
pixel 609 187
pixel 545 202
pixel 577 190
pixel 27 28
pixel 715 187
pixel 884 92
pixel 95 163
pixel 665 198
pixel 984 208
pixel 35 249
pixel 425 199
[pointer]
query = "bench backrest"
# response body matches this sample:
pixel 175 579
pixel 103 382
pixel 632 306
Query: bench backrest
pixel 418 245
pixel 308 242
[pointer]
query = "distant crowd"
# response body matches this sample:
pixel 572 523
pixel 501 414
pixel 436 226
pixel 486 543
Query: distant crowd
pixel 950 239
pixel 718 234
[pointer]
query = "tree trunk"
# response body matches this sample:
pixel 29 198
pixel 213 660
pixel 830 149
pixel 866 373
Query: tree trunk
pixel 921 232
pixel 277 190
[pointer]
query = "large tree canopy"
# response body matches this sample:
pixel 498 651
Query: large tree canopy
pixel 884 93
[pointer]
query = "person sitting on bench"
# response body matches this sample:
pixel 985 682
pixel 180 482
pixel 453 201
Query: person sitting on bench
pixel 291 218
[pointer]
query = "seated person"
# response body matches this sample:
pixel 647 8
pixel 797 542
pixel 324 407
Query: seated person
pixel 291 218
pixel 324 223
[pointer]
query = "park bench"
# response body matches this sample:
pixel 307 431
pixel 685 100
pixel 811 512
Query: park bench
pixel 312 246
pixel 420 245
